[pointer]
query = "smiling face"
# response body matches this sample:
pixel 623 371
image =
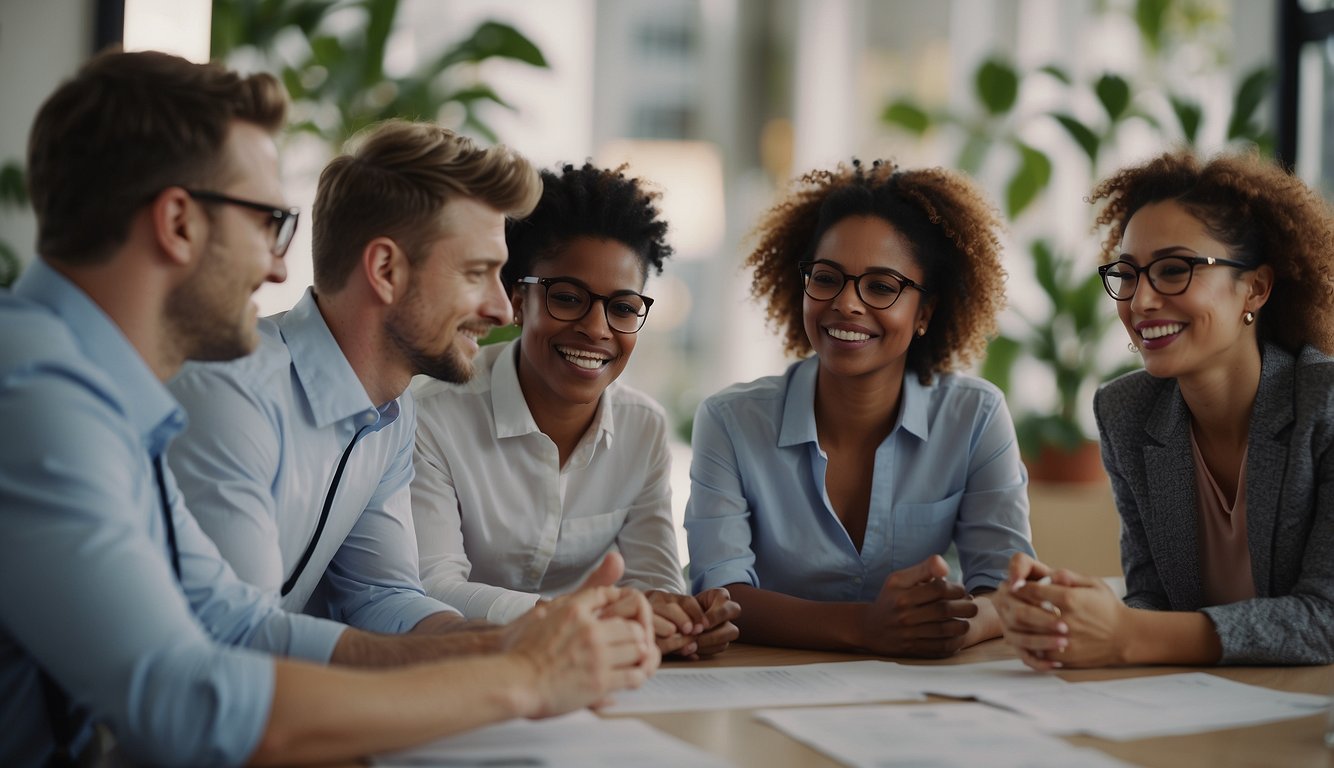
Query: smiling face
pixel 455 294
pixel 1202 328
pixel 568 363
pixel 851 338
pixel 212 311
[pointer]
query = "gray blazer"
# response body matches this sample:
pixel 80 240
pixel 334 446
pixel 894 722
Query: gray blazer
pixel 1144 425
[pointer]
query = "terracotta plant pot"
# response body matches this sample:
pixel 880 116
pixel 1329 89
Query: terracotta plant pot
pixel 1055 465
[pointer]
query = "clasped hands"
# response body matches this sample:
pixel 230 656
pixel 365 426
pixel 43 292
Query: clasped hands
pixel 1058 618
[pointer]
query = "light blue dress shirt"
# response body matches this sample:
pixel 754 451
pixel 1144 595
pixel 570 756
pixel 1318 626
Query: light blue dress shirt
pixel 92 598
pixel 265 438
pixel 949 472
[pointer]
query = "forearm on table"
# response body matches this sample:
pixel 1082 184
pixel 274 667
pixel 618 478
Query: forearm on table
pixel 322 714
pixel 1185 638
pixel 987 623
pixel 357 648
pixel 773 618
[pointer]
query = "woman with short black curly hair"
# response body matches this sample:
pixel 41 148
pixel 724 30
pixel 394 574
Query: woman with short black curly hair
pixel 531 474
pixel 824 498
pixel 1221 451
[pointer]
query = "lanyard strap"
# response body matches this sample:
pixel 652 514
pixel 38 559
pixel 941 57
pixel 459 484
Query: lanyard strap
pixel 324 516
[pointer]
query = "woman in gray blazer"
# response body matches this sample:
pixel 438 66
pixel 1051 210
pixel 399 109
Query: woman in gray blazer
pixel 1219 451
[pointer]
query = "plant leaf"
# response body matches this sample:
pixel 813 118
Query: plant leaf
pixel 973 153
pixel 13 189
pixel 998 366
pixel 1247 99
pixel 908 116
pixel 1029 180
pixel 1189 115
pixel 1058 73
pixel 492 39
pixel 1114 93
pixel 997 86
pixel 1082 134
pixel 1149 17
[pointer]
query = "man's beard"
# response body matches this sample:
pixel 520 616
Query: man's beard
pixel 204 328
pixel 449 366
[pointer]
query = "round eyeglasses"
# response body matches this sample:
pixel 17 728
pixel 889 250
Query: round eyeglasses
pixel 569 300
pixel 877 290
pixel 1169 275
pixel 281 220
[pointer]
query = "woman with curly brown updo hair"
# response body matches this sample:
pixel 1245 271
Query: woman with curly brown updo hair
pixel 823 499
pixel 1221 451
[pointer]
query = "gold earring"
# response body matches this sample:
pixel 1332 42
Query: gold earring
pixel 1248 318
pixel 921 331
pixel 518 319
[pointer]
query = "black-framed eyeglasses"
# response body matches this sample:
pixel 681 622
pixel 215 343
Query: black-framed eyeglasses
pixel 878 289
pixel 569 300
pixel 1169 275
pixel 282 220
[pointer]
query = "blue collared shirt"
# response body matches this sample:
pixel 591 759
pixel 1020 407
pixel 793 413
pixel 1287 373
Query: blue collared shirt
pixel 266 435
pixel 948 472
pixel 81 531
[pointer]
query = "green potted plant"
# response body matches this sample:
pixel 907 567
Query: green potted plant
pixel 13 195
pixel 1065 338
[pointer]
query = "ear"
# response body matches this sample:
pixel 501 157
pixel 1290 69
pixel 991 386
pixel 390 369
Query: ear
pixel 516 299
pixel 1261 285
pixel 178 224
pixel 925 310
pixel 385 267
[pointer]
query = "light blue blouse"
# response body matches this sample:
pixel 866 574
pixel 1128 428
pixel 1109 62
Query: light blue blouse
pixel 948 472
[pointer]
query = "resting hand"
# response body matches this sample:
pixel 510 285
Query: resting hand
pixel 918 613
pixel 581 648
pixel 1073 621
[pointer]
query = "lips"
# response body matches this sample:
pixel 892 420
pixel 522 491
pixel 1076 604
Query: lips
pixel 589 360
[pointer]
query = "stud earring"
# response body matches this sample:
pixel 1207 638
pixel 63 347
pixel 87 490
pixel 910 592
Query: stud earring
pixel 518 319
pixel 1130 345
pixel 921 331
pixel 1248 318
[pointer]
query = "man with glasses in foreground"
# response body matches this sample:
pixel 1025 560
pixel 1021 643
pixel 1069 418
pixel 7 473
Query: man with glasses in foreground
pixel 528 475
pixel 146 173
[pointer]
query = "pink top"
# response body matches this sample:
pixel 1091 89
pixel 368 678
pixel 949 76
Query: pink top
pixel 1225 557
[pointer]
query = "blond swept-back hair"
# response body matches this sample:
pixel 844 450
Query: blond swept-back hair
pixel 394 182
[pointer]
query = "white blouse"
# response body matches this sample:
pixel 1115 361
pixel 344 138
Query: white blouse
pixel 500 523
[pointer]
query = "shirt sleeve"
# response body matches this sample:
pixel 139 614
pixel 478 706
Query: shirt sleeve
pixel 101 611
pixel 445 568
pixel 225 463
pixel 373 581
pixel 1144 587
pixel 647 539
pixel 992 523
pixel 717 520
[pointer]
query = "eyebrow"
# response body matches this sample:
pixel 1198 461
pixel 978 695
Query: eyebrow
pixel 872 270
pixel 1171 250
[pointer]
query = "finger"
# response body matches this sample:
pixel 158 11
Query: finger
pixel 1029 618
pixel 1038 642
pixel 608 572
pixel 1068 578
pixel 929 592
pixel 721 610
pixel 1052 598
pixel 717 639
pixel 669 607
pixel 1039 663
pixel 934 567
pixel 692 609
pixel 675 643
pixel 1024 568
pixel 662 628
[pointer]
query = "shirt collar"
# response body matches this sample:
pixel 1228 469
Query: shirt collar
pixel 799 406
pixel 510 409
pixel 331 386
pixel 149 406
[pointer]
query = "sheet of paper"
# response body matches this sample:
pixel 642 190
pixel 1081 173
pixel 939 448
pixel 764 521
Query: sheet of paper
pixel 578 740
pixel 845 682
pixel 961 735
pixel 975 680
pixel 1162 705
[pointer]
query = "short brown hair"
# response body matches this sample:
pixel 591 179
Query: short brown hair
pixel 394 183
pixel 127 126
pixel 954 232
pixel 1261 212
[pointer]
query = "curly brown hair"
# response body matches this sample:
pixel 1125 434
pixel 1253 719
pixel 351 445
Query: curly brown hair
pixel 954 232
pixel 1263 215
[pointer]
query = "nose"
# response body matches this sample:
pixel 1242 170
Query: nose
pixel 848 301
pixel 277 269
pixel 1146 296
pixel 594 322
pixel 496 305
